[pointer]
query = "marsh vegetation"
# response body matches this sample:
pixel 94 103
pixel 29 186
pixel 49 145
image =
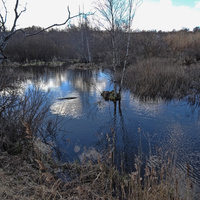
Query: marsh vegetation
pixel 28 116
pixel 146 143
pixel 161 64
pixel 156 78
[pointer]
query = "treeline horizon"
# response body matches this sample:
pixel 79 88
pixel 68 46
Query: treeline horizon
pixel 91 45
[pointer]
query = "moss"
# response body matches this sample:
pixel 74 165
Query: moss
pixel 111 96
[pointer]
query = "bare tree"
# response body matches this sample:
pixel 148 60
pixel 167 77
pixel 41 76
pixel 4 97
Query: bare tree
pixel 5 34
pixel 85 36
pixel 117 16
pixel 133 5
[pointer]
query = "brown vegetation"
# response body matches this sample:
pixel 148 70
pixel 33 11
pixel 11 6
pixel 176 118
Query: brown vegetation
pixel 85 44
pixel 27 172
pixel 155 78
pixel 160 64
pixel 23 116
pixel 37 178
pixel 56 45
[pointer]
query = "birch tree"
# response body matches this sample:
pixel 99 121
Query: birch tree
pixel 85 37
pixel 5 34
pixel 115 15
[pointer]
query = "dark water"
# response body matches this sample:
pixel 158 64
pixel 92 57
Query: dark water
pixel 171 126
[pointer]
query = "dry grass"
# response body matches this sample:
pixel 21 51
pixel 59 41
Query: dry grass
pixel 39 177
pixel 36 179
pixel 20 179
pixel 157 78
pixel 183 46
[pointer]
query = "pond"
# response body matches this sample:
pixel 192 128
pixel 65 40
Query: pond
pixel 87 119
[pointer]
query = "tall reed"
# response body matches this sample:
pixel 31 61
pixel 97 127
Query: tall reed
pixel 155 78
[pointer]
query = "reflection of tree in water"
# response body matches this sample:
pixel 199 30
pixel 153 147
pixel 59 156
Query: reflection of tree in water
pixel 116 140
pixel 84 80
pixel 81 78
pixel 47 78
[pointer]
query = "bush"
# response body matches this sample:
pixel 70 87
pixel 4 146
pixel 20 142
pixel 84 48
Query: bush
pixel 23 116
pixel 155 78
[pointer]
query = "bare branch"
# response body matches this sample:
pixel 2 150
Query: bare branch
pixel 17 15
pixel 44 29
pixel 117 15
pixel 6 35
pixel 47 28
pixel 56 25
pixel 3 19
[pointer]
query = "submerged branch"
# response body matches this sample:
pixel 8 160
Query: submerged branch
pixel 67 98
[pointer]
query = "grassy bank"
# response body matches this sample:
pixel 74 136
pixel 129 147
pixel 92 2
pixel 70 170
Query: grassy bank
pixel 37 178
pixel 155 78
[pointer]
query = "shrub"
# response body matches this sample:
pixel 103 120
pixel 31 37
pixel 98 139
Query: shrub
pixel 23 116
pixel 154 78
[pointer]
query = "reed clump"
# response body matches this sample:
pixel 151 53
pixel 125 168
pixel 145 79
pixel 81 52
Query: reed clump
pixel 154 78
pixel 20 179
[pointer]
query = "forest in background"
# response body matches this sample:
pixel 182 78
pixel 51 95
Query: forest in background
pixel 162 64
pixel 90 45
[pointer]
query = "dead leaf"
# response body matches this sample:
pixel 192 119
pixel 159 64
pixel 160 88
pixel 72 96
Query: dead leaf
pixel 41 165
pixel 49 177
pixel 28 128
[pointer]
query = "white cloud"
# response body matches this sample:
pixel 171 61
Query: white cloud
pixel 163 15
pixel 44 12
pixel 166 3
pixel 159 15
pixel 197 4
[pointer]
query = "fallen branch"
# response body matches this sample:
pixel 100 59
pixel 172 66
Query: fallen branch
pixel 67 98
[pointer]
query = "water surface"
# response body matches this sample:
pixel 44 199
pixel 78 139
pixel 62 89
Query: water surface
pixel 86 120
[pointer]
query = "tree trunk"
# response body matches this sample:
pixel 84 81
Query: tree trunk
pixel 114 65
pixel 2 58
pixel 125 63
pixel 88 49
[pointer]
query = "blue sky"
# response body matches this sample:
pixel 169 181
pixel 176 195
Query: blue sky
pixel 190 3
pixel 164 15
